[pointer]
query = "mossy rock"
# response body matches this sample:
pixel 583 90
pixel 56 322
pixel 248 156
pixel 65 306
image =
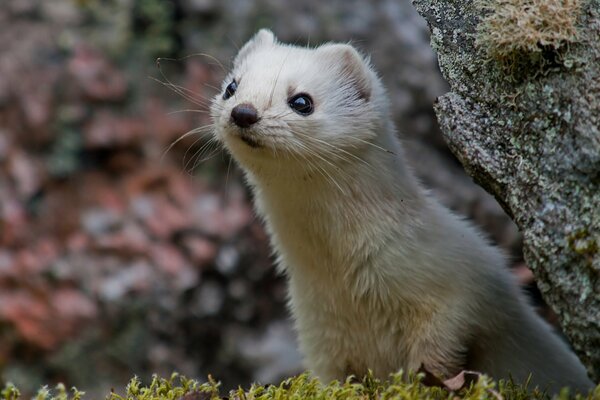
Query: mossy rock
pixel 523 118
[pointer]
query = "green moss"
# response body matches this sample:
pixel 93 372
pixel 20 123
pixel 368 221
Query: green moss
pixel 10 392
pixel 582 243
pixel 305 387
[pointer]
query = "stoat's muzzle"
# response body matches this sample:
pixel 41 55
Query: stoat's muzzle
pixel 244 116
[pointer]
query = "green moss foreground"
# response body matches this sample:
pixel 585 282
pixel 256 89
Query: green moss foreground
pixel 304 387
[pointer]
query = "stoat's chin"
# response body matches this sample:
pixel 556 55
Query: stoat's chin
pixel 248 137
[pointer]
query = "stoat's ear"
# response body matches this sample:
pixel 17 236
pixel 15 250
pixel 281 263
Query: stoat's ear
pixel 264 37
pixel 352 67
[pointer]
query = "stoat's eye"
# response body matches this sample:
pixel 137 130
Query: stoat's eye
pixel 302 103
pixel 230 90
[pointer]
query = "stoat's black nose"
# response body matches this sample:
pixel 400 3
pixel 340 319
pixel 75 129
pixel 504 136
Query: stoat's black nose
pixel 244 115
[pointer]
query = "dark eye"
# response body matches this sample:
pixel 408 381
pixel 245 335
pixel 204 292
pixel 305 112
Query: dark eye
pixel 302 104
pixel 230 90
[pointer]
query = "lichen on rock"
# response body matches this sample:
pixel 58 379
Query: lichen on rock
pixel 527 33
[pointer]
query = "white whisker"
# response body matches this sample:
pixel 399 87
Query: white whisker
pixel 179 90
pixel 192 132
pixel 212 147
pixel 189 111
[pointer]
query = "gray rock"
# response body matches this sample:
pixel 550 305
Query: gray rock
pixel 533 141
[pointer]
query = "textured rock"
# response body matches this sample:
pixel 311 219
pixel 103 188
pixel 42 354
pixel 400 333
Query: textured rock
pixel 531 137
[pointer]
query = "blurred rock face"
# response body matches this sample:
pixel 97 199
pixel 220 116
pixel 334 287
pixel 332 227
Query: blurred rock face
pixel 112 259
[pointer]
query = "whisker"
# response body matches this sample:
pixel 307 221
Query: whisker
pixel 202 148
pixel 191 93
pixel 216 150
pixel 179 91
pixel 217 89
pixel 199 155
pixel 191 132
pixel 227 179
pixel 185 155
pixel 323 142
pixel 283 114
pixel 215 59
pixel 277 76
pixel 324 170
pixel 347 137
pixel 333 151
pixel 371 144
pixel 190 111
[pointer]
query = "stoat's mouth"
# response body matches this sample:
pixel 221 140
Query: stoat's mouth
pixel 249 139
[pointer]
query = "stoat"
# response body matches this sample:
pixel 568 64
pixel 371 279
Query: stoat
pixel 381 275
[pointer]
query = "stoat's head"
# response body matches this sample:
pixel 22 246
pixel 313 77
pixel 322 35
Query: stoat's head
pixel 284 105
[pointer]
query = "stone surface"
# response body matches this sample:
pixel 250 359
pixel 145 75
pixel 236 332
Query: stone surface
pixel 533 141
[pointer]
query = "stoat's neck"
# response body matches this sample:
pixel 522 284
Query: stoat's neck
pixel 339 215
pixel 375 177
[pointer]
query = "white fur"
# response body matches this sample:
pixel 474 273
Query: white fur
pixel 381 276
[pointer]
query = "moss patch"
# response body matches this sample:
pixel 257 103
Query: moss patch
pixel 304 387
pixel 520 34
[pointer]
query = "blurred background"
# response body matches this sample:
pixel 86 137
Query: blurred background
pixel 118 259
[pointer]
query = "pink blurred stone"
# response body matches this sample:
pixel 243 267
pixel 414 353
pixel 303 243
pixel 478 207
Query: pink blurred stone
pixel 14 222
pixel 208 213
pixel 184 190
pixel 29 315
pixel 169 259
pixel 202 251
pixel 77 242
pixel 162 124
pixel 166 219
pixel 109 130
pixel 25 174
pixel 122 244
pixel 97 78
pixel 7 265
pixel 72 305
pixel 236 218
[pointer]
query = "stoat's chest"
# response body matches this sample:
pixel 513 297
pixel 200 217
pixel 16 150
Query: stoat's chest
pixel 315 229
pixel 349 263
pixel 357 333
pixel 315 238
